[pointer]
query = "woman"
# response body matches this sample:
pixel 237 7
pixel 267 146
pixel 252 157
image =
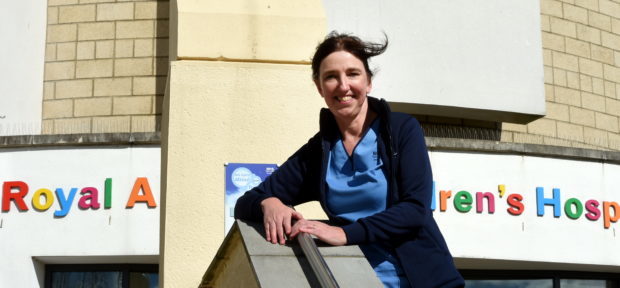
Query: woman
pixel 369 169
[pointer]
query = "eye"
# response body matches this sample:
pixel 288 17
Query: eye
pixel 354 73
pixel 329 77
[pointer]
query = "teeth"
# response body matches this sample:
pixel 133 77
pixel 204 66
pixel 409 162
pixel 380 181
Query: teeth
pixel 344 98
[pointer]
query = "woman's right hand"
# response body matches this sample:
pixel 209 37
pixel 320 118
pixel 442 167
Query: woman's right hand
pixel 277 219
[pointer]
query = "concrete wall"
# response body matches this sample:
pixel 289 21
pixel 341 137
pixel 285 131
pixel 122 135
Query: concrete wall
pixel 574 234
pixel 223 112
pixel 105 66
pixel 225 104
pixel 22 24
pixel 240 98
pixel 245 259
pixel 35 236
pixel 472 59
pixel 472 68
pixel 581 50
pixel 102 63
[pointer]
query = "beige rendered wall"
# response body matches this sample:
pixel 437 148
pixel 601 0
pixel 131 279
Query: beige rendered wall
pixel 249 106
pixel 581 49
pixel 105 66
pixel 259 30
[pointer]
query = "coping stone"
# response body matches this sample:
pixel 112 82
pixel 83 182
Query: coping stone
pixel 525 149
pixel 433 144
pixel 86 139
pixel 286 266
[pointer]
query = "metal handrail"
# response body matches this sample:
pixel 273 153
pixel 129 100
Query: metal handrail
pixel 317 263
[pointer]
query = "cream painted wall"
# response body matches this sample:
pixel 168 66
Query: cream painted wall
pixel 22 29
pixel 241 92
pixel 33 238
pixel 555 241
pixel 473 59
pixel 258 30
pixel 223 112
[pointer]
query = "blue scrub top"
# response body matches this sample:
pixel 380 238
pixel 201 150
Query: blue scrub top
pixel 357 188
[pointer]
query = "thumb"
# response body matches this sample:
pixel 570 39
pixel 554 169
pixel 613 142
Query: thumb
pixel 297 215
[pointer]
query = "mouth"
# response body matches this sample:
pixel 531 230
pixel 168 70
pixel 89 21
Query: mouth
pixel 344 99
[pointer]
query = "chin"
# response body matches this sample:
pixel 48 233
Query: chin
pixel 343 113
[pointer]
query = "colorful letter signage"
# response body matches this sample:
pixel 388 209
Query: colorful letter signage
pixel 573 208
pixel 89 197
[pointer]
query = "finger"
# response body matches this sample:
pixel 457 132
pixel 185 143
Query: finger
pixel 280 232
pixel 310 227
pixel 273 233
pixel 297 215
pixel 295 230
pixel 307 229
pixel 287 224
pixel 267 234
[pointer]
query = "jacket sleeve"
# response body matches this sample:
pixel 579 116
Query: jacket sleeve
pixel 414 180
pixel 290 183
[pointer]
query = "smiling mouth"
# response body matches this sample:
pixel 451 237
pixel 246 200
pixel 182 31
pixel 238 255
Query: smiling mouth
pixel 344 98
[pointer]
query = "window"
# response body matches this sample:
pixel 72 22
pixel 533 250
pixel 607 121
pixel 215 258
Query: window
pixel 542 279
pixel 102 275
pixel 510 283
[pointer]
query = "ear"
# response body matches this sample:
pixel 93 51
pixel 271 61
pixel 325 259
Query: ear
pixel 318 87
pixel 369 87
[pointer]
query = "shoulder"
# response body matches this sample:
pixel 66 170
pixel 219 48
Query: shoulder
pixel 310 150
pixel 399 117
pixel 403 123
pixel 395 119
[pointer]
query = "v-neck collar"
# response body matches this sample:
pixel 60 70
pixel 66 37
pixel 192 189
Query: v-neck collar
pixel 341 140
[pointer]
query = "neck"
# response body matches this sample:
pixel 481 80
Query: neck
pixel 353 129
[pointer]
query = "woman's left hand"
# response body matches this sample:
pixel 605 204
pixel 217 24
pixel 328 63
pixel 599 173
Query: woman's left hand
pixel 332 235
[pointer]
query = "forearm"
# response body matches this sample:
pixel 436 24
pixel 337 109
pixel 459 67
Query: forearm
pixel 248 206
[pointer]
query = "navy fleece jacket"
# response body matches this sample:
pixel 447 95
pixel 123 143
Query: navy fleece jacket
pixel 407 225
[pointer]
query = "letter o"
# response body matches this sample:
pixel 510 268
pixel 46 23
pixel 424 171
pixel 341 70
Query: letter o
pixel 578 206
pixel 36 199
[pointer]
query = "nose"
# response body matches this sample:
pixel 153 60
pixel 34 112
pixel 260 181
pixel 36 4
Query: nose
pixel 344 84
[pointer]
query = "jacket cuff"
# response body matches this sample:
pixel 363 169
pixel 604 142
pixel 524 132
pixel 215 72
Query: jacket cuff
pixel 257 210
pixel 355 232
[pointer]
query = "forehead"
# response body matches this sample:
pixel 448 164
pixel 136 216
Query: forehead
pixel 341 60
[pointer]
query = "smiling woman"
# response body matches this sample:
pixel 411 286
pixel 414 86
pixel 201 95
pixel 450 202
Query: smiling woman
pixel 344 84
pixel 370 170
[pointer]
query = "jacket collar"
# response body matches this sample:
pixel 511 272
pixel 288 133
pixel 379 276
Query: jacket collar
pixel 329 133
pixel 329 128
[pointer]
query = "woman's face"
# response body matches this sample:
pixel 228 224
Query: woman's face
pixel 343 83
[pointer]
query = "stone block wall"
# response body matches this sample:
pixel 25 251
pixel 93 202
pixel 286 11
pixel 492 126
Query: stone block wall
pixel 581 50
pixel 106 63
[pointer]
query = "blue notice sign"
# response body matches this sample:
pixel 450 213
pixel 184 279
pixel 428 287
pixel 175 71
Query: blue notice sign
pixel 241 177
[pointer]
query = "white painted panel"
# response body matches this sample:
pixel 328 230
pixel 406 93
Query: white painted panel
pixel 100 232
pixel 458 58
pixel 527 237
pixel 22 30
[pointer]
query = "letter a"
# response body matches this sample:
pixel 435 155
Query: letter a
pixel 90 198
pixel 142 183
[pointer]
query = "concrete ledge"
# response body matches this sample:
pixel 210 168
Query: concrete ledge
pixel 245 259
pixel 145 138
pixel 484 146
pixel 478 264
pixel 433 143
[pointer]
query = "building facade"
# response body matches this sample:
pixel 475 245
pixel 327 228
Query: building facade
pixel 520 103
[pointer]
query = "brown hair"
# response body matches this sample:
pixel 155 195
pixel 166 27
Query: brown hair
pixel 335 41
